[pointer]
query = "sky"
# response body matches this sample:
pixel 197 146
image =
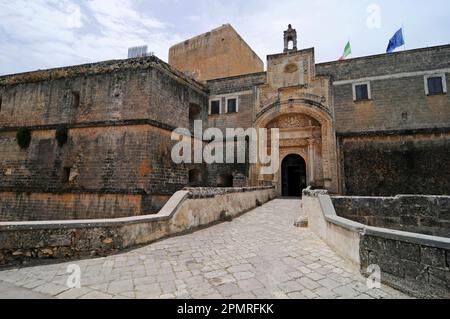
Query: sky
pixel 41 34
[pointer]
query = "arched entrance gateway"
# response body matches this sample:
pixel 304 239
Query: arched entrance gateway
pixel 293 175
pixel 307 150
pixel 298 103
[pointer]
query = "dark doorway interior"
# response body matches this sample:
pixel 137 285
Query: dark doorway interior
pixel 293 176
pixel 225 180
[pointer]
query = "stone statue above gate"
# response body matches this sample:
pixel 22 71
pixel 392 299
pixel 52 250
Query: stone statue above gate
pixel 290 35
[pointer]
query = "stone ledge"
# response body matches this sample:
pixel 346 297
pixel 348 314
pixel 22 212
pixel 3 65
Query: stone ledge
pixel 413 238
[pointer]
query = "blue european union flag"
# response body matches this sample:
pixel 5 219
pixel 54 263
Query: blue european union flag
pixel 396 41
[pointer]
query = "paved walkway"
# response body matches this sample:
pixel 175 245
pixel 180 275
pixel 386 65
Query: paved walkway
pixel 259 255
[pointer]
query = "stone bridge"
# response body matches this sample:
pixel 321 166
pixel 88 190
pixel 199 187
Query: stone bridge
pixel 258 255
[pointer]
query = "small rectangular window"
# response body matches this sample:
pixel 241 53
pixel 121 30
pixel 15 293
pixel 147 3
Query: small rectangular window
pixel 362 92
pixel 435 85
pixel 215 107
pixel 232 105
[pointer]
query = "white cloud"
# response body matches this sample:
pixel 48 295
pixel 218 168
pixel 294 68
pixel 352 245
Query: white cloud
pixel 51 33
pixel 47 33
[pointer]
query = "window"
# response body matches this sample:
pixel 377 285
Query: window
pixel 215 107
pixel 232 106
pixel 361 91
pixel 75 99
pixel 435 84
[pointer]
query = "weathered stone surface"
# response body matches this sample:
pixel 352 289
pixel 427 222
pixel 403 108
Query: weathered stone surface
pixel 219 53
pixel 417 214
pixel 419 269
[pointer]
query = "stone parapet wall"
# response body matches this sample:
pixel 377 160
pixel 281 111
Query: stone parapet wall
pixel 420 267
pixel 186 211
pixel 428 215
pixel 414 263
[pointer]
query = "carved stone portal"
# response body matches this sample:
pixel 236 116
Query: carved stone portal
pixel 293 121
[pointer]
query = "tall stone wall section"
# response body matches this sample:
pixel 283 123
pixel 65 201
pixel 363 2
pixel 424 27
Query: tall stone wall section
pixel 216 54
pixel 396 142
pixel 119 138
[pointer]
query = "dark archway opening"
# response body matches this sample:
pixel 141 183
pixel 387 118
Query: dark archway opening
pixel 225 180
pixel 195 178
pixel 293 170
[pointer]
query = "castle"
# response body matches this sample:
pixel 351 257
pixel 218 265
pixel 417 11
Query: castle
pixel 377 125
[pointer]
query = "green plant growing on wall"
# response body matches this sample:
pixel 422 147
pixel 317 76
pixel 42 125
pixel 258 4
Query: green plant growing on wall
pixel 23 137
pixel 62 135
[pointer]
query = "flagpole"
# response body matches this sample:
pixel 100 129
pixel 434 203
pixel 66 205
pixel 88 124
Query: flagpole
pixel 404 38
pixel 351 52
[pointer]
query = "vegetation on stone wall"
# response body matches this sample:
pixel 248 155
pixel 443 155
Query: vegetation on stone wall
pixel 62 135
pixel 23 137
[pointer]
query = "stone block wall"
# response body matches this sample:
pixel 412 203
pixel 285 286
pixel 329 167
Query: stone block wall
pixel 397 141
pixel 399 100
pixel 106 91
pixel 69 206
pixel 242 88
pixel 396 164
pixel 428 215
pixel 216 54
pixel 127 159
pixel 416 268
pixel 119 115
pixel 236 83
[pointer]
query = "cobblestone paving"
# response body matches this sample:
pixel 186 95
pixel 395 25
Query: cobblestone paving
pixel 259 255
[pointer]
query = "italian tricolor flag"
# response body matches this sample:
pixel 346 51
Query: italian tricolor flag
pixel 347 52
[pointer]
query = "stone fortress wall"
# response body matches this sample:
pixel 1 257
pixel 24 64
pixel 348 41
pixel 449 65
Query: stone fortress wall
pixel 120 115
pixel 398 141
pixel 116 162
